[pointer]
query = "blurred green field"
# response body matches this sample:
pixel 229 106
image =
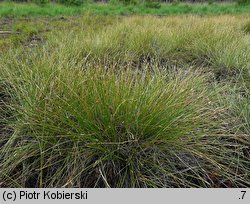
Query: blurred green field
pixel 10 9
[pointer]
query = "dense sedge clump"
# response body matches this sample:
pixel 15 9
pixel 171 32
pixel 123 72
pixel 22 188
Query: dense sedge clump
pixel 110 127
pixel 103 105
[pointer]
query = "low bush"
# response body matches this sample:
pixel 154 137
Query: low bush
pixel 72 2
pixel 243 2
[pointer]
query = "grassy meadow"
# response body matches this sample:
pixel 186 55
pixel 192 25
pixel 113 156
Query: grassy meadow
pixel 10 9
pixel 125 101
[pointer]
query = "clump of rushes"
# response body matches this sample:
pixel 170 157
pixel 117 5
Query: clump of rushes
pixel 114 127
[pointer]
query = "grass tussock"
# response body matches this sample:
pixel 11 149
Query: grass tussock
pixel 214 42
pixel 129 102
pixel 100 128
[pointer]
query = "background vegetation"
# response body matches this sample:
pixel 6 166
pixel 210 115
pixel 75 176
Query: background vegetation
pixel 77 7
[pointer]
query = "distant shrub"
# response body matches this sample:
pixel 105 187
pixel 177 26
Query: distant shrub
pixel 127 2
pixel 147 3
pixel 211 2
pixel 114 1
pixel 175 2
pixel 152 4
pixel 41 2
pixel 72 2
pixel 243 2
